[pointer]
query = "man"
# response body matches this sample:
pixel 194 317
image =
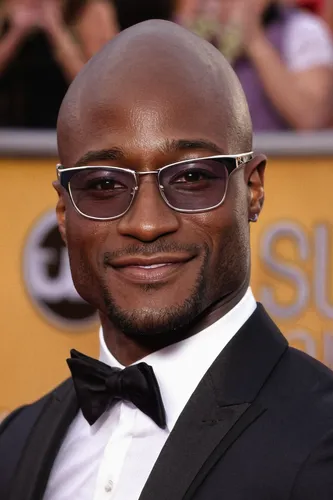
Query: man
pixel 157 186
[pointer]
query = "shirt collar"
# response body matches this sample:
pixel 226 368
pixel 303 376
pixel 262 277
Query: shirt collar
pixel 180 367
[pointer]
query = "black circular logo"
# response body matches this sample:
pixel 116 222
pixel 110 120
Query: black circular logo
pixel 48 277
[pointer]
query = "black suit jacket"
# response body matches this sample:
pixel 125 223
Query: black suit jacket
pixel 258 427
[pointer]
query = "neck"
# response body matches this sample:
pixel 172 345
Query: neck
pixel 128 351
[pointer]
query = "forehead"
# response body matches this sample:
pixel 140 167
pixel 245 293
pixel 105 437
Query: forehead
pixel 144 102
pixel 141 122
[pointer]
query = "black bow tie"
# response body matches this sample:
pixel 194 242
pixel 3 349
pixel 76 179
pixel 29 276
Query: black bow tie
pixel 98 386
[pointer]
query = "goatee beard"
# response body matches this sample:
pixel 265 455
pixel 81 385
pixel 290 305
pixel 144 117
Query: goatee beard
pixel 163 326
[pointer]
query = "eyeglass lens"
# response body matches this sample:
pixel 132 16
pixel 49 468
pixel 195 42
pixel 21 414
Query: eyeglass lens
pixel 194 186
pixel 104 193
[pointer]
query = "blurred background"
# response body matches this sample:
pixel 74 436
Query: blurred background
pixel 282 52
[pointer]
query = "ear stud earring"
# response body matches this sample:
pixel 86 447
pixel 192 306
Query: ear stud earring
pixel 254 218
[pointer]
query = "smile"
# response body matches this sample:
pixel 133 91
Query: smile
pixel 150 270
pixel 154 266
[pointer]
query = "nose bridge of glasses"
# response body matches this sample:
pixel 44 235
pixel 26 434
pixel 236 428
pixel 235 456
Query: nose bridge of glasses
pixel 149 172
pixel 145 176
pixel 149 203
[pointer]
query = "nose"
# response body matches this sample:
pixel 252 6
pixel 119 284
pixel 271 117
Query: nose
pixel 149 217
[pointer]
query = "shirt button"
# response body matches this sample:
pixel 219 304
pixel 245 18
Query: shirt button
pixel 109 486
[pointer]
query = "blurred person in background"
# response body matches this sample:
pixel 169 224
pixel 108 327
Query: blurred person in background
pixel 282 55
pixel 324 8
pixel 130 12
pixel 327 13
pixel 43 45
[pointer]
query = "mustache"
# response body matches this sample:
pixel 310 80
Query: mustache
pixel 157 247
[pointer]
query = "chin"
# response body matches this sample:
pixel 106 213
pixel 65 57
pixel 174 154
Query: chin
pixel 148 302
pixel 155 317
pixel 156 309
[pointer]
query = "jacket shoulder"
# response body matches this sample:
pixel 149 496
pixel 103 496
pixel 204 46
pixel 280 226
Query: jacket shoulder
pixel 22 413
pixel 10 418
pixel 310 366
pixel 15 431
pixel 301 381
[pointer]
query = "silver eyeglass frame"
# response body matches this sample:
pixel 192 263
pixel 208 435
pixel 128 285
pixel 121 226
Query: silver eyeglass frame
pixel 240 160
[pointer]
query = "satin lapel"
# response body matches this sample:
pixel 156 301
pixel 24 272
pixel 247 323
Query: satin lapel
pixel 199 430
pixel 246 419
pixel 220 409
pixel 41 449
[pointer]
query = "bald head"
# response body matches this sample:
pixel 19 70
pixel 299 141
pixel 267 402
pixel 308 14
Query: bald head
pixel 157 100
pixel 150 63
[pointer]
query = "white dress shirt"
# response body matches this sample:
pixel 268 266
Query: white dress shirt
pixel 112 459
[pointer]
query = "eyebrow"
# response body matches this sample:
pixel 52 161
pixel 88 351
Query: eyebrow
pixel 101 155
pixel 169 146
pixel 172 146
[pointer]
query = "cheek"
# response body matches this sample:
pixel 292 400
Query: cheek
pixel 86 242
pixel 233 213
pixel 81 233
pixel 226 232
pixel 218 225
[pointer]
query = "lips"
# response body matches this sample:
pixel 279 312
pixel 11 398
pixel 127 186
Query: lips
pixel 151 269
pixel 153 266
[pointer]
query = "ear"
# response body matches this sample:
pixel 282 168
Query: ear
pixel 61 210
pixel 255 182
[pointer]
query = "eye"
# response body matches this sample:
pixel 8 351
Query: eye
pixel 103 184
pixel 193 176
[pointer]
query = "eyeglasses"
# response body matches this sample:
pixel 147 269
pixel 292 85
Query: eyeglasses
pixel 190 186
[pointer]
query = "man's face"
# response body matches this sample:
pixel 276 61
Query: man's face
pixel 117 265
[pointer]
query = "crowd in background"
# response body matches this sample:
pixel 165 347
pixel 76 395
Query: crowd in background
pixel 282 52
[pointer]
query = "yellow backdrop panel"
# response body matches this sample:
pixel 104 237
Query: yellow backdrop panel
pixel 292 272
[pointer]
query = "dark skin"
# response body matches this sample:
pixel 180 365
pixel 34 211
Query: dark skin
pixel 144 111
